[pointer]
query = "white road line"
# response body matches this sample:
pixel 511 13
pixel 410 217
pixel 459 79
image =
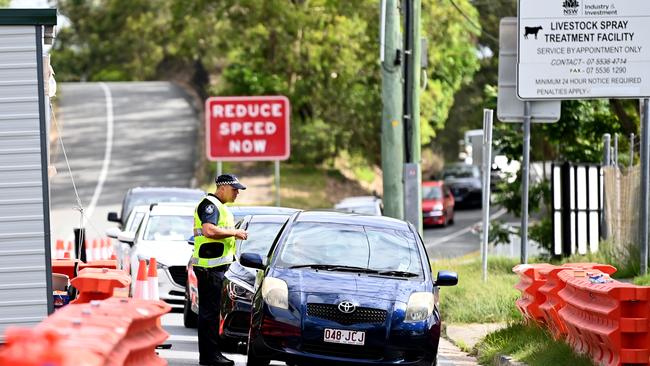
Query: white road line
pixel 108 150
pixel 458 233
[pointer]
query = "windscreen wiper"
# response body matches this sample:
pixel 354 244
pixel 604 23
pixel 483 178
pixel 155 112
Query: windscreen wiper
pixel 397 273
pixel 332 267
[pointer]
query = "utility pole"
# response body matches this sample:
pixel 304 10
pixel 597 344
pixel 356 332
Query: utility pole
pixel 392 129
pixel 412 69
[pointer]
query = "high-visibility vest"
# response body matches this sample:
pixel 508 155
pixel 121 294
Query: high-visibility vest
pixel 226 221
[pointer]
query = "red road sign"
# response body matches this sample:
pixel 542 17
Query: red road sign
pixel 247 128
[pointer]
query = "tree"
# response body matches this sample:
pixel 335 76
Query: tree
pixel 322 54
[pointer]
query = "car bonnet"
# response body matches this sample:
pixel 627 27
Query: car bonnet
pixel 327 283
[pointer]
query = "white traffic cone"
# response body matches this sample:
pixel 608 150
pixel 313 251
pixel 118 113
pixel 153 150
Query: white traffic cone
pixel 141 290
pixel 153 280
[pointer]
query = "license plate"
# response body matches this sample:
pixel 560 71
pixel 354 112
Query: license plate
pixel 342 336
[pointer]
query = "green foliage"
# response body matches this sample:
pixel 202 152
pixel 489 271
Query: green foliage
pixel 5 3
pixel 322 54
pixel 472 300
pixel 530 344
pixel 577 137
pixel 111 40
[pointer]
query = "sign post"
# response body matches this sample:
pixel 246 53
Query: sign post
pixel 254 128
pixel 512 109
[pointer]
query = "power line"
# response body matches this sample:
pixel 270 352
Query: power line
pixel 472 22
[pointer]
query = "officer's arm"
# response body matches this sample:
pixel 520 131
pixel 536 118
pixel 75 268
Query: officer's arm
pixel 209 216
pixel 212 231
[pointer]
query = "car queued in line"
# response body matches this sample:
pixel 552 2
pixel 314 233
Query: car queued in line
pixel 307 287
pixel 338 288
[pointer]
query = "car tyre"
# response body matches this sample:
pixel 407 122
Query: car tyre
pixel 190 319
pixel 253 360
pixel 427 362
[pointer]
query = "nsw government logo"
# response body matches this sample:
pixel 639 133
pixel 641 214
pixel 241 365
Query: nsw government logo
pixel 571 7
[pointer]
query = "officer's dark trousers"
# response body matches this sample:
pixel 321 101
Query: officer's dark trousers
pixel 209 284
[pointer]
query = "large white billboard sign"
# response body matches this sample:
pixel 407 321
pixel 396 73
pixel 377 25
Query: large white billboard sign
pixel 581 49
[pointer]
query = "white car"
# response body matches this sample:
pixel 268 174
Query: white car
pixel 163 234
pixel 366 205
pixel 122 249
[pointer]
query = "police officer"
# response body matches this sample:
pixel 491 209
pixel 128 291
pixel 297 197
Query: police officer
pixel 214 250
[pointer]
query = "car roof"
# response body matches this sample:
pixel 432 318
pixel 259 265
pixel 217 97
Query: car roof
pixel 360 199
pixel 166 189
pixel 351 219
pixel 261 210
pixel 175 208
pixel 269 218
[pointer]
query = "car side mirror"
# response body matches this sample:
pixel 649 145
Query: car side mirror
pixel 113 232
pixel 125 237
pixel 447 278
pixel 190 240
pixel 112 217
pixel 252 260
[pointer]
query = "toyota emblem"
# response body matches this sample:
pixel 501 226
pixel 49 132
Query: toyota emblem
pixel 347 307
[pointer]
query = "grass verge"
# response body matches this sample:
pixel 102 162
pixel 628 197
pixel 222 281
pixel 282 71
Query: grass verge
pixel 475 301
pixel 472 300
pixel 529 344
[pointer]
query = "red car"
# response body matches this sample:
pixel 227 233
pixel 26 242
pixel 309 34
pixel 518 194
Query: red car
pixel 437 204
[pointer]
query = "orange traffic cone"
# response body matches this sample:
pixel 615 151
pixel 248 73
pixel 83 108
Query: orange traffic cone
pixel 97 250
pixel 69 248
pixel 60 249
pixel 141 290
pixel 153 280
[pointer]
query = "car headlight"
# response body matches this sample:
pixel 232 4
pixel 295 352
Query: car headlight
pixel 236 292
pixel 420 307
pixel 275 292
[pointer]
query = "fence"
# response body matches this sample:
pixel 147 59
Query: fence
pixel 621 204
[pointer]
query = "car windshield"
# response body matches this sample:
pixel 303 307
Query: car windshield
pixel 370 248
pixel 168 227
pixel 460 172
pixel 147 198
pixel 431 193
pixel 260 238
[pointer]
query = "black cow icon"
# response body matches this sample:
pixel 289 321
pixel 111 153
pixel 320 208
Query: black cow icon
pixel 532 30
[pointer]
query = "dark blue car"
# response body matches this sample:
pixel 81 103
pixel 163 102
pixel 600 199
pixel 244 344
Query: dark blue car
pixel 339 288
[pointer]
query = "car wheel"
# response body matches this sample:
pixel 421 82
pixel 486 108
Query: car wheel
pixel 428 362
pixel 252 359
pixel 228 345
pixel 190 319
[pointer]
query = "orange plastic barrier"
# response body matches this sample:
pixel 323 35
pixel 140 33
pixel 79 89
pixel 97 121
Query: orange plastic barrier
pixel 606 319
pixel 104 263
pixel 98 283
pixel 553 303
pixel 112 332
pixel 530 280
pixel 66 266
